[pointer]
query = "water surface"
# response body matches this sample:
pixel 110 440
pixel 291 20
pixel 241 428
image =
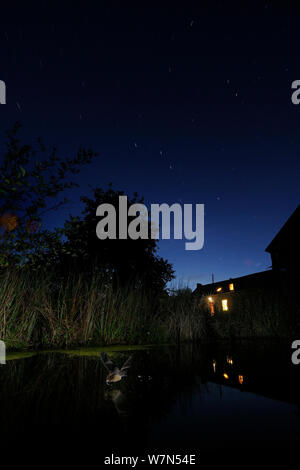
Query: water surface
pixel 195 398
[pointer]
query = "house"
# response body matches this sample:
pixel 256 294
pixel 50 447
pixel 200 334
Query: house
pixel 284 248
pixel 285 254
pixel 220 295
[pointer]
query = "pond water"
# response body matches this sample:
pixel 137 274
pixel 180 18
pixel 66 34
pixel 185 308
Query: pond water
pixel 192 399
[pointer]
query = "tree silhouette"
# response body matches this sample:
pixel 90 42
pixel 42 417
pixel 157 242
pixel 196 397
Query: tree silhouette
pixel 122 261
pixel 29 179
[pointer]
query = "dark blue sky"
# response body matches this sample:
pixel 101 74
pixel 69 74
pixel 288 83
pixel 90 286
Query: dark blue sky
pixel 188 105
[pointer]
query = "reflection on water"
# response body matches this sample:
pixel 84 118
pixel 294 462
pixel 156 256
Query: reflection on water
pixel 189 399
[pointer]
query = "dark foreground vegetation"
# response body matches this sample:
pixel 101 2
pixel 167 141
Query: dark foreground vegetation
pixel 40 311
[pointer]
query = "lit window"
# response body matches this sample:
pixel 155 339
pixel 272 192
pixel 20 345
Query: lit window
pixel 231 286
pixel 229 360
pixel 219 289
pixel 241 379
pixel 225 305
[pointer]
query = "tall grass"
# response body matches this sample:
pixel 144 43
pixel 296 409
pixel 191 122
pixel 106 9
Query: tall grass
pixel 185 317
pixel 38 310
pixel 271 312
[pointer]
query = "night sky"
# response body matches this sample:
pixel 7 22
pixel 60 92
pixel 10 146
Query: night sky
pixel 188 105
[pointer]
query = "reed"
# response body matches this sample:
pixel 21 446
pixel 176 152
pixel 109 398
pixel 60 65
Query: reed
pixel 268 313
pixel 38 310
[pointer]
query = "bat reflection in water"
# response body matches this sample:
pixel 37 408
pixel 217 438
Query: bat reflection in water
pixel 119 400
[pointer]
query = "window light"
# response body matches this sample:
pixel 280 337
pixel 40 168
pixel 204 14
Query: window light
pixel 225 305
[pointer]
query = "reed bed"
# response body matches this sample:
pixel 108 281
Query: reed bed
pixel 269 313
pixel 39 310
